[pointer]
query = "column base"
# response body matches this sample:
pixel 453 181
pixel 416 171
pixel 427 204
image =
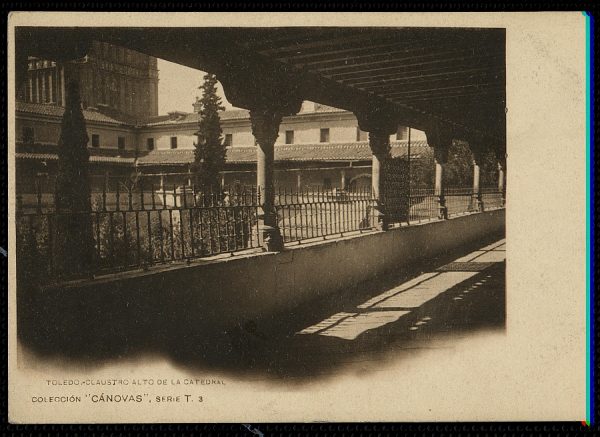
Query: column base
pixel 476 204
pixel 381 224
pixel 271 238
pixel 443 210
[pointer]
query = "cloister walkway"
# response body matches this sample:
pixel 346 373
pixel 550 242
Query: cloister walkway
pixel 368 327
pixel 426 307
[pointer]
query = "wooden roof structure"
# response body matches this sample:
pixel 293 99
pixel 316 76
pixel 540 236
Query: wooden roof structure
pixel 443 78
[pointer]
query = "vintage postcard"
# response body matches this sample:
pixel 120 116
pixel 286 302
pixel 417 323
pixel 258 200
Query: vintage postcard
pixel 267 217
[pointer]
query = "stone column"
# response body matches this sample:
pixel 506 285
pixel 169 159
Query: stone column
pixel 43 77
pixel 501 158
pixel 61 82
pixel 265 128
pixel 30 94
pixel 380 146
pixel 50 87
pixel 476 202
pixel 441 157
pixel 37 86
pixel 380 124
pixel 440 140
pixel 269 94
pixel 343 179
pixel 299 180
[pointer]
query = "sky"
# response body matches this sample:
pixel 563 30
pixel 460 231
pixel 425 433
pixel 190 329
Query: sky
pixel 178 87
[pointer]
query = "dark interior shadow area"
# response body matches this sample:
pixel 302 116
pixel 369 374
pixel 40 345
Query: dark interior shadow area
pixel 97 328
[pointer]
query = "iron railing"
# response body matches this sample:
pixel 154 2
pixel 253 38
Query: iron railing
pixel 143 228
pixel 425 204
pixel 322 212
pixel 138 228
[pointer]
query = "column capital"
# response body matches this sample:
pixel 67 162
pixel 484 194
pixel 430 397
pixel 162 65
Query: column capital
pixel 437 137
pixel 376 120
pixel 478 152
pixel 440 140
pixel 379 143
pixel 265 125
pixel 500 156
pixel 440 154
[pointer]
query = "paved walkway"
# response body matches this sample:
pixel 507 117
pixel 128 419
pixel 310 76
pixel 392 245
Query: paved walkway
pixel 386 321
pixel 410 296
pixel 389 318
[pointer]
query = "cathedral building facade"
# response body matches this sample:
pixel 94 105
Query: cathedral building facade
pixel 111 78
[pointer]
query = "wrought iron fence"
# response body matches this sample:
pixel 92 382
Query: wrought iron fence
pixel 321 212
pixel 460 200
pixel 143 228
pixel 492 198
pixel 140 228
pixel 424 205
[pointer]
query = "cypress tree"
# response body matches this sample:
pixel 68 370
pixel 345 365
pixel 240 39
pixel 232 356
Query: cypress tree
pixel 74 238
pixel 209 155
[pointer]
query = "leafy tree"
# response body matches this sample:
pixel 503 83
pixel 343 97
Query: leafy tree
pixel 209 156
pixel 458 171
pixel 74 238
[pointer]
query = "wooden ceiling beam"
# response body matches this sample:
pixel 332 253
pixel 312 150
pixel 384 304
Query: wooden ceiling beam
pixel 433 83
pixel 443 91
pixel 363 72
pixel 372 53
pixel 381 60
pixel 416 75
pixel 327 43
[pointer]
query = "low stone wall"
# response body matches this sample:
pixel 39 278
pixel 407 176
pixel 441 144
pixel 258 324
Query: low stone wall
pixel 158 306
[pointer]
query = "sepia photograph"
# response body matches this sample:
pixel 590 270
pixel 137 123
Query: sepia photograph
pixel 252 222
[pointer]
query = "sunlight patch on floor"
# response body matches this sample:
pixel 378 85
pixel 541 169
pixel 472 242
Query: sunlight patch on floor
pixel 353 326
pixel 424 292
pixel 492 256
pixel 400 300
pixel 326 323
pixel 398 289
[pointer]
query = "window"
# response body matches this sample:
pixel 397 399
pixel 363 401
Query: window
pixel 28 135
pixel 95 140
pixel 289 137
pixel 121 142
pixel 228 140
pixel 325 135
pixel 327 183
pixel 150 143
pixel 173 142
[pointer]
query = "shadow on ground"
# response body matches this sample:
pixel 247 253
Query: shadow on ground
pixel 273 347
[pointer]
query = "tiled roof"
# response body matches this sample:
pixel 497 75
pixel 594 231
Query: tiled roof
pixel 320 152
pixel 57 111
pixel 357 151
pixel 232 114
pixel 193 117
pixel 54 157
pixel 49 152
pixel 167 157
pixel 175 118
